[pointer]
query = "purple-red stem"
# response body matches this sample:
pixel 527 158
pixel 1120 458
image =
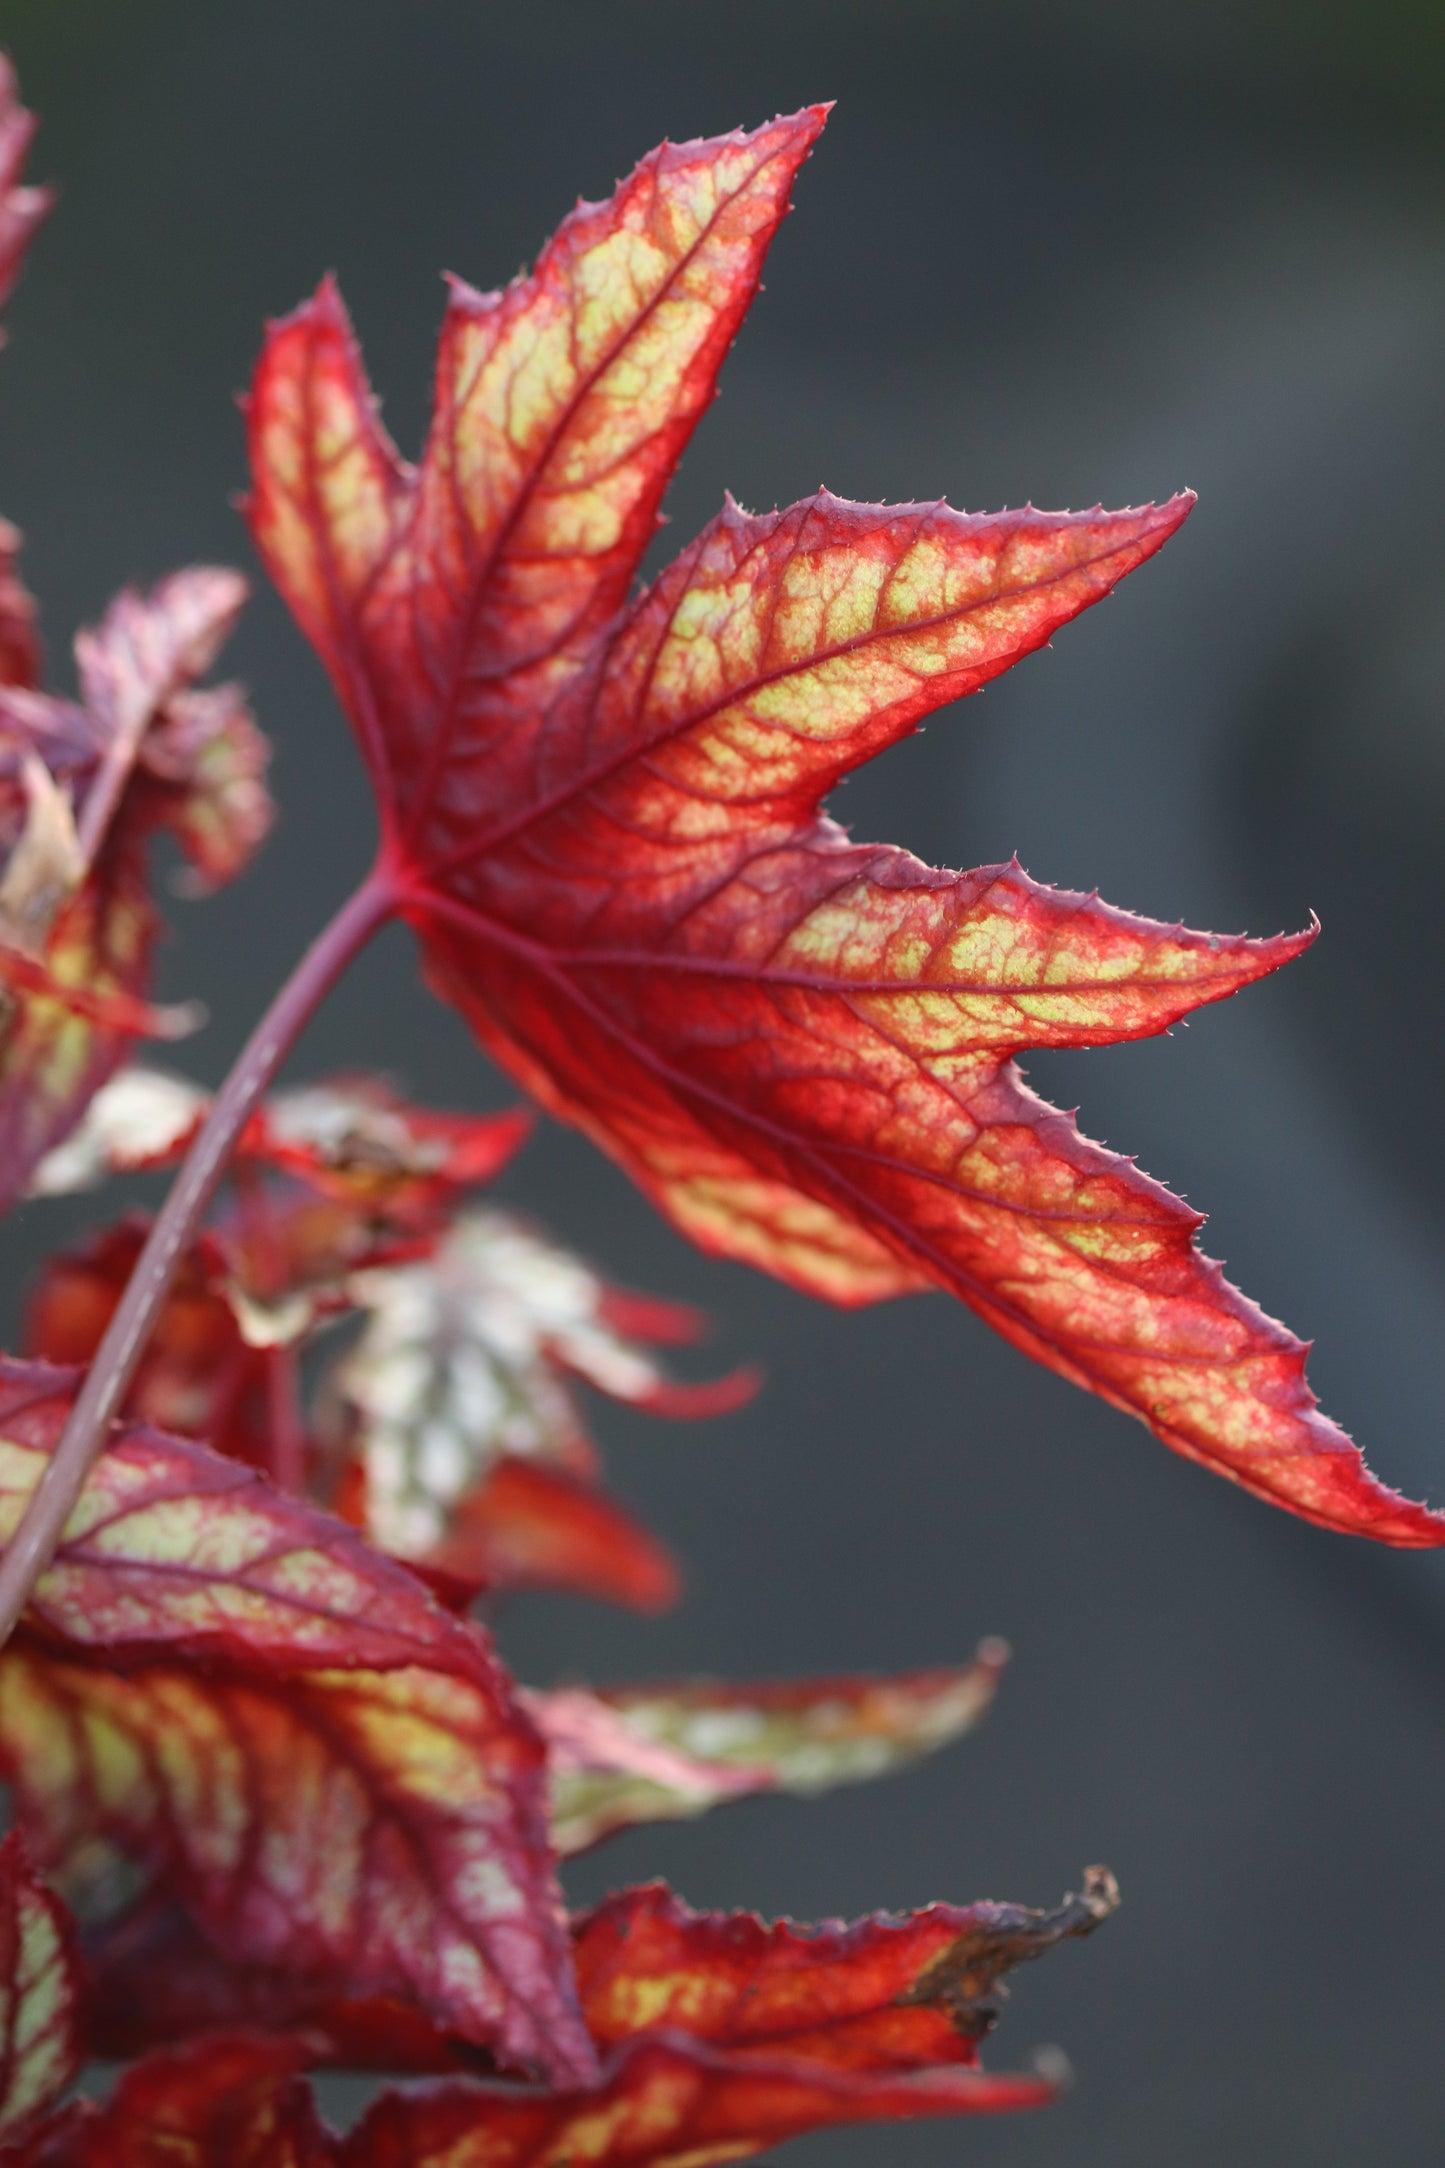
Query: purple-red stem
pixel 284 1421
pixel 98 1403
pixel 265 1258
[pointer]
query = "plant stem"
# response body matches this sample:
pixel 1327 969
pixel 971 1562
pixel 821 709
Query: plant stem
pixel 98 1402
pixel 288 1432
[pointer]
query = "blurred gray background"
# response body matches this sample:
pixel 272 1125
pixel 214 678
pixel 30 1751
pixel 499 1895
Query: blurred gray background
pixel 1066 253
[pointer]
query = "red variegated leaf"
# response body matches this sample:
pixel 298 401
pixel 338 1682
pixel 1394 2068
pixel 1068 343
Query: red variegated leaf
pixel 229 2102
pixel 352 1827
pixel 887 1992
pixel 670 1751
pixel 204 768
pixel 730 2036
pixel 343 1785
pixel 40 1992
pixel 603 820
pixel 562 406
pixel 274 1266
pixel 55 1046
pixel 142 752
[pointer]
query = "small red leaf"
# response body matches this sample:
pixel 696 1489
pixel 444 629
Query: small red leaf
pixel 528 1525
pixel 228 2102
pixel 40 1989
pixel 603 821
pixel 352 1137
pixel 197 1375
pixel 343 1785
pixel 20 654
pixel 143 752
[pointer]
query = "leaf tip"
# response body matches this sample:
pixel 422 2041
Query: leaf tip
pixel 1176 509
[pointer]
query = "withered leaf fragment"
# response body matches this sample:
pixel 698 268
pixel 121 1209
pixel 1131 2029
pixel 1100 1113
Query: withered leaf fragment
pixel 351 1136
pixel 602 818
pixel 463 1374
pixel 143 751
pixel 221 1695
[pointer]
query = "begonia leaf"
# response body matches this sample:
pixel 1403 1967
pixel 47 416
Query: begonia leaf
pixel 40 1990
pixel 671 1751
pixel 141 752
pixel 603 820
pixel 228 2102
pixel 221 1692
pixel 466 1361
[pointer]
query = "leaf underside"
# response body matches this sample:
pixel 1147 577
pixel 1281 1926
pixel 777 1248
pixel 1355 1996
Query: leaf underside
pixel 602 817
